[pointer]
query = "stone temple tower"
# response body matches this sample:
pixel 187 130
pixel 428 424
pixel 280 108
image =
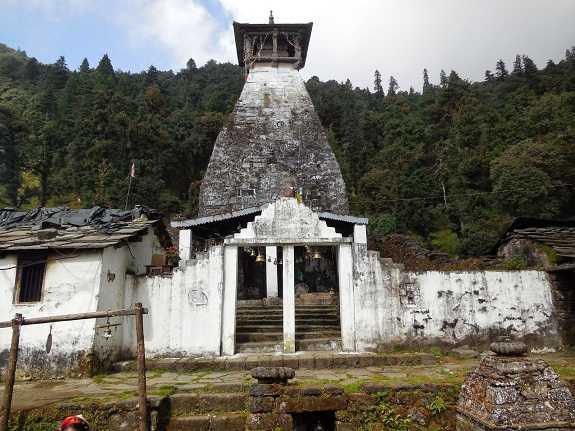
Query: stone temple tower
pixel 273 141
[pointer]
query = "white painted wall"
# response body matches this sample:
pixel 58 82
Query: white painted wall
pixel 70 286
pixel 396 307
pixel 185 309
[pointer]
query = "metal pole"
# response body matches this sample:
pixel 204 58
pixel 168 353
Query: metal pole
pixel 142 397
pixel 11 373
pixel 128 195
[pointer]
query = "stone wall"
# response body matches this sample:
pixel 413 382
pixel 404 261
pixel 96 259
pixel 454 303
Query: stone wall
pixel 185 308
pixel 70 286
pixel 396 307
pixel 273 140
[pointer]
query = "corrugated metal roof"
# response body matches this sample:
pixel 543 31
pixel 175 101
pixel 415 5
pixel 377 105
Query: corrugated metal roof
pixel 343 218
pixel 182 224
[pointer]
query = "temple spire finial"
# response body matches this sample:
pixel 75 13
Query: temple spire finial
pixel 272 17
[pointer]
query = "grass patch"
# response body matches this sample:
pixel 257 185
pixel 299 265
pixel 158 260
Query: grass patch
pixel 165 391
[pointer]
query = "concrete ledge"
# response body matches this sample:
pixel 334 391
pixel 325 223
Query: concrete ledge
pixel 304 360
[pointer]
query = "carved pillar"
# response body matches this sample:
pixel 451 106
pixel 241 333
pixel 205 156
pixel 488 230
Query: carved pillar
pixel 275 51
pixel 271 272
pixel 288 299
pixel 346 297
pixel 230 296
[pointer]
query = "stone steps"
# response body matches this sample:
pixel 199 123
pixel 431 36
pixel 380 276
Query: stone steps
pixel 259 328
pixel 312 345
pixel 279 322
pixel 208 411
pixel 301 328
pixel 306 360
pixel 219 422
pixel 245 337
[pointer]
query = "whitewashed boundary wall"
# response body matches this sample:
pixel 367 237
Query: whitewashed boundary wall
pixel 395 307
pixel 185 309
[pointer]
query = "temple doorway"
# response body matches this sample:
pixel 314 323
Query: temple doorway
pixel 316 276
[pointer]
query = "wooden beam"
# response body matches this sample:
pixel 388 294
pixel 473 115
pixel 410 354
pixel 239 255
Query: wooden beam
pixel 70 317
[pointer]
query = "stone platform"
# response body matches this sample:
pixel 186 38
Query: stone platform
pixel 297 361
pixel 202 399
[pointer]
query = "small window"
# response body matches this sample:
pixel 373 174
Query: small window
pixel 30 277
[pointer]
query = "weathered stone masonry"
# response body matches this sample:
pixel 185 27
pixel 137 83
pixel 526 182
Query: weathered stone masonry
pixel 273 140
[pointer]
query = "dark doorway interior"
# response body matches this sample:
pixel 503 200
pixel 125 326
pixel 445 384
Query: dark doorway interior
pixel 316 270
pixel 563 283
pixel 251 273
pixel 316 421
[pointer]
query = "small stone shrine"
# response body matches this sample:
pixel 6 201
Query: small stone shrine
pixel 509 391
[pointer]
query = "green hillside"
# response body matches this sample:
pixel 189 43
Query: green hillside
pixel 451 164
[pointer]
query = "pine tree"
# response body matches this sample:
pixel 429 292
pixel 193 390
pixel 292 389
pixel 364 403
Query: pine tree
pixel 489 76
pixel 501 71
pixel 442 79
pixel 426 83
pixel 85 66
pixel 393 87
pixel 529 67
pixel 377 86
pixel 105 68
pixel 517 66
pixel 191 65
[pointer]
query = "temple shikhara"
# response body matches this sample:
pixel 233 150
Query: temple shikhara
pixel 273 262
pixel 274 142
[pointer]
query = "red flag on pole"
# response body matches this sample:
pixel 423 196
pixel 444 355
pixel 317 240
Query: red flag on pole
pixel 133 170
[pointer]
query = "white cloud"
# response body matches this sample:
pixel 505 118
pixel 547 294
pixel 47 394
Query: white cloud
pixel 402 37
pixel 183 27
pixel 351 38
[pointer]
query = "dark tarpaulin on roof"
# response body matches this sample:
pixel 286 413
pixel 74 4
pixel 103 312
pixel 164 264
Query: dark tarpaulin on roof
pixel 102 219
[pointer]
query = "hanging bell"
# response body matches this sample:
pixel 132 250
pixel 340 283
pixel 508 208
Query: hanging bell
pixel 107 328
pixel 252 252
pixel 316 255
pixel 261 258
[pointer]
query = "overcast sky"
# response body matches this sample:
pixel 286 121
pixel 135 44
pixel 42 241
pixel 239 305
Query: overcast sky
pixel 350 39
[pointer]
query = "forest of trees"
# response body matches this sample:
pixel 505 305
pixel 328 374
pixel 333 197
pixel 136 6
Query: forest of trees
pixel 451 164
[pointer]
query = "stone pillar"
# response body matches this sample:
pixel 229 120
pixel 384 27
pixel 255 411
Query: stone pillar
pixel 288 299
pixel 185 244
pixel 230 297
pixel 271 272
pixel 275 44
pixel 346 297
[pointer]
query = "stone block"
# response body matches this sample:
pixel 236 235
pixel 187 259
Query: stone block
pixel 271 375
pixel 307 361
pixel 312 404
pixel 231 422
pixel 199 423
pixel 262 404
pixel 323 361
pixel 333 390
pixel 270 421
pixel 266 390
pixel 290 361
pixel 367 361
pixel 183 403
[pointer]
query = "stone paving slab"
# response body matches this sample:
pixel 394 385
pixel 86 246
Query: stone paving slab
pixel 123 385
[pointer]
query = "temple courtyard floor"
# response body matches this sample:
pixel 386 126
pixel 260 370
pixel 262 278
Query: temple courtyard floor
pixel 162 380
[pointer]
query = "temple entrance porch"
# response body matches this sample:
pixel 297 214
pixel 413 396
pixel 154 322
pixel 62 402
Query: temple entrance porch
pixel 260 307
